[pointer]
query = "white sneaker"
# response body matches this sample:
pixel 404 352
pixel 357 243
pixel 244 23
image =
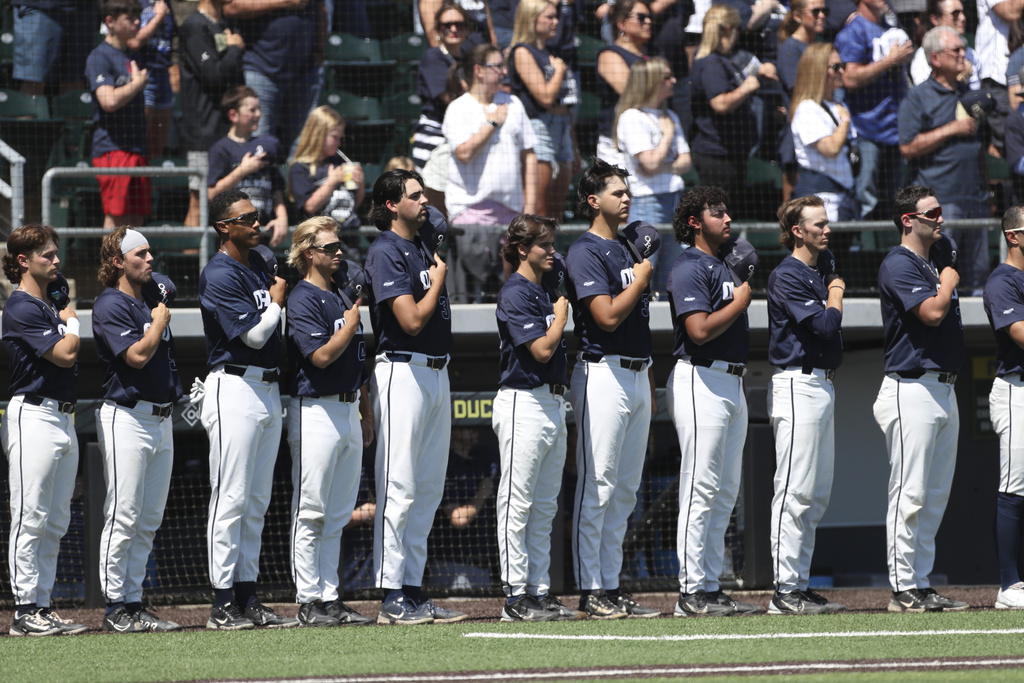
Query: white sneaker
pixel 1012 597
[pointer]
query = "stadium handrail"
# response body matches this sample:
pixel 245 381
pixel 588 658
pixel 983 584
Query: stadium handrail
pixel 15 190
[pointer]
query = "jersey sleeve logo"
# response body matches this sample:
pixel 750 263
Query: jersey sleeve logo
pixel 1008 311
pixel 527 326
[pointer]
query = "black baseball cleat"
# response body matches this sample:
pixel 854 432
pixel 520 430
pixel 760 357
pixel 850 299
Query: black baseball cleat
pixel 722 598
pixel 147 616
pixel 553 604
pixel 526 608
pixel 794 603
pixel 315 614
pixel 948 604
pixel 228 618
pixel 345 615
pixel 914 600
pixel 830 607
pixel 261 615
pixel 32 624
pixel 598 606
pixel 120 620
pixel 633 608
pixel 697 604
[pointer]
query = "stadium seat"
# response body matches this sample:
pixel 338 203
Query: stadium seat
pixel 16 105
pixel 75 108
pixel 404 105
pixel 998 169
pixel 170 193
pixel 355 64
pixel 587 47
pixel 407 47
pixel 342 47
pixel 352 106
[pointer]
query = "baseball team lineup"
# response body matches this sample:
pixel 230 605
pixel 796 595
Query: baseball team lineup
pixel 400 400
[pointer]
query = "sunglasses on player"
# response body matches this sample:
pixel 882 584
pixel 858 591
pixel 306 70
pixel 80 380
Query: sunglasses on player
pixel 930 214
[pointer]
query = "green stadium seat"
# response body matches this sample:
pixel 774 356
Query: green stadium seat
pixel 590 107
pixel 587 47
pixel 342 47
pixel 75 107
pixel 352 106
pixel 17 105
pixel 356 65
pixel 407 47
pixel 761 172
pixel 404 105
pixel 998 169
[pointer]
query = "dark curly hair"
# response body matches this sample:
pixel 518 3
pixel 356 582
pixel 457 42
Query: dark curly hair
pixel 525 230
pixel 109 274
pixel 789 215
pixel 28 239
pixel 906 202
pixel 692 205
pixel 594 181
pixel 390 187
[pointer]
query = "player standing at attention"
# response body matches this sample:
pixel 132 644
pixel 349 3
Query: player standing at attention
pixel 411 396
pixel 805 344
pixel 326 379
pixel 529 419
pixel 141 378
pixel 916 404
pixel 241 308
pixel 1004 305
pixel 705 397
pixel 38 432
pixel 611 393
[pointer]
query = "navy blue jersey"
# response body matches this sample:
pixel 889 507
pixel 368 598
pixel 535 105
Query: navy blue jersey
pixel 279 43
pixel 124 129
pixel 525 313
pixel 802 331
pixel 1004 305
pixel 118 321
pixel 226 155
pixel 701 282
pixel 597 267
pixel 30 329
pixel 342 204
pixel 905 280
pixel 314 315
pixel 232 298
pixel 395 266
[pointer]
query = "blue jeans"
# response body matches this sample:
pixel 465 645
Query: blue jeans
pixel 285 106
pixel 657 209
pixel 881 175
pixel 971 244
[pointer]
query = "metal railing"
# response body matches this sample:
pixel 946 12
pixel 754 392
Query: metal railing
pixel 15 190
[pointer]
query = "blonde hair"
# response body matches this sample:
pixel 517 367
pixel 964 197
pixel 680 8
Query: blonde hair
pixel 305 237
pixel 321 121
pixel 811 71
pixel 524 28
pixel 715 18
pixel 645 78
pixel 402 162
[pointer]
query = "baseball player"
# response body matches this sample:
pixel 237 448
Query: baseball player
pixel 529 419
pixel 1004 305
pixel 805 344
pixel 411 396
pixel 135 431
pixel 916 405
pixel 705 396
pixel 611 390
pixel 241 302
pixel 38 431
pixel 325 432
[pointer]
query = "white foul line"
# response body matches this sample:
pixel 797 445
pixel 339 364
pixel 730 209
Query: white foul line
pixel 751 636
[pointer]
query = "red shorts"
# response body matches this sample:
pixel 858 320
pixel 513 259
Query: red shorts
pixel 122 194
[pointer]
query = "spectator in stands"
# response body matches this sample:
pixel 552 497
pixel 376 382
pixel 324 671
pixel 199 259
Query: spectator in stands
pixel 247 161
pixel 722 112
pixel 285 51
pixel 52 39
pixel 944 13
pixel 995 19
pixel 651 140
pixel 492 174
pixel 210 59
pixel 453 24
pixel 875 82
pixel 1015 141
pixel 322 183
pixel 153 42
pixel 435 171
pixel 402 162
pixel 821 134
pixel 482 29
pixel 945 151
pixel 548 89
pixel 632 20
pixel 670 43
pixel 119 137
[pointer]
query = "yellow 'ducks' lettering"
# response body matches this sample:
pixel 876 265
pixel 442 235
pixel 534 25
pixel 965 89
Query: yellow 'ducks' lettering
pixel 475 408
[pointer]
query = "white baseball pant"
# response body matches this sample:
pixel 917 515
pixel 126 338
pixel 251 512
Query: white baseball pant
pixel 802 413
pixel 530 424
pixel 921 423
pixel 327 446
pixel 138 454
pixel 242 417
pixel 709 410
pixel 1005 402
pixel 42 458
pixel 412 408
pixel 612 406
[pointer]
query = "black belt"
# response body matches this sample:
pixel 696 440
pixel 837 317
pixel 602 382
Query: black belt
pixel 269 376
pixel 433 362
pixel 348 396
pixel 830 373
pixel 558 389
pixel 735 369
pixel 67 407
pixel 159 409
pixel 944 377
pixel 634 364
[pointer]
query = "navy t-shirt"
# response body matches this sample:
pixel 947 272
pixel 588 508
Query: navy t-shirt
pixel 905 280
pixel 395 267
pixel 118 321
pixel 30 329
pixel 342 204
pixel 314 315
pixel 431 82
pixel 525 313
pixel 279 44
pixel 1004 305
pixel 790 53
pixel 232 297
pixel 605 267
pixel 156 53
pixel 226 155
pixel 124 129
pixel 609 98
pixel 733 134
pixel 568 94
pixel 796 300
pixel 702 282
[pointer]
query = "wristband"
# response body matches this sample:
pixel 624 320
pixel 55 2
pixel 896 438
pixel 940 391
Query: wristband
pixel 493 124
pixel 73 326
pixel 836 287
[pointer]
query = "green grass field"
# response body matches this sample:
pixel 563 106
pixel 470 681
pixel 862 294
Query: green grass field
pixel 202 655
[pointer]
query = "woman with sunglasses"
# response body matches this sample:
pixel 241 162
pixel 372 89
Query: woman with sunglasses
pixel 944 13
pixel 632 20
pixel 821 128
pixel 480 29
pixel 548 89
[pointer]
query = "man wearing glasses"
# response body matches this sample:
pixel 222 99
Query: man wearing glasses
pixel 942 143
pixel 241 302
pixel 916 406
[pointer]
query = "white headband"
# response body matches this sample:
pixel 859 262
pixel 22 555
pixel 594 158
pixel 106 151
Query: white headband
pixel 132 239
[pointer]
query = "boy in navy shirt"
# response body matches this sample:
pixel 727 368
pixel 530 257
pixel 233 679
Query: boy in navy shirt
pixel 241 160
pixel 119 139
